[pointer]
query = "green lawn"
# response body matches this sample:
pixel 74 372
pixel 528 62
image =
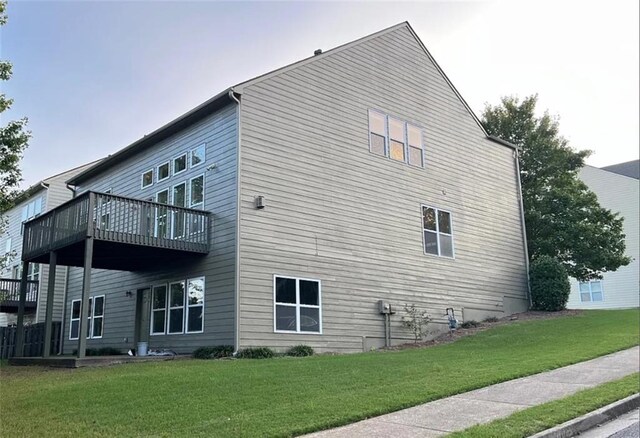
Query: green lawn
pixel 538 418
pixel 289 396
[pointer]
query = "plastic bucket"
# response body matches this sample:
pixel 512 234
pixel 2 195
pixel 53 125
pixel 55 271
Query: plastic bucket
pixel 142 348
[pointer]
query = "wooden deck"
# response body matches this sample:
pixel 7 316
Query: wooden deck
pixel 10 295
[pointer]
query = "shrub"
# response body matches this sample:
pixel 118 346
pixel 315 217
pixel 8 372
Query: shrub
pixel 491 319
pixel 300 351
pixel 256 353
pixel 549 283
pixel 416 321
pixel 470 324
pixel 217 352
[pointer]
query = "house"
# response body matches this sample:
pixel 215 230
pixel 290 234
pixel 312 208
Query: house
pixel 284 209
pixel 41 197
pixel 618 189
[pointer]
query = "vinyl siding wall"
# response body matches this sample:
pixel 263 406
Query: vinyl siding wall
pixel 351 219
pixel 620 194
pixel 219 132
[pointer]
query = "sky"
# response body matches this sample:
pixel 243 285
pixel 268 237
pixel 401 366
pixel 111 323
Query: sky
pixel 92 77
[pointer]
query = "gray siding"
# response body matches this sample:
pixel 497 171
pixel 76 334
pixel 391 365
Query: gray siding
pixel 219 132
pixel 337 213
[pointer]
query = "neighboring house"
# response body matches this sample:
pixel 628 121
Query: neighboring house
pixel 280 212
pixel 618 189
pixel 33 202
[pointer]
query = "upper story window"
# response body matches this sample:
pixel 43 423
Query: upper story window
pixel 180 164
pixel 591 291
pixel 395 138
pixel 196 191
pixel 198 155
pixel 163 171
pixel 438 232
pixel 296 305
pixel 32 209
pixel 147 178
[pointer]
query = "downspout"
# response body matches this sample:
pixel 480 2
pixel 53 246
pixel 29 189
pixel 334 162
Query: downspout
pixel 66 286
pixel 523 225
pixel 46 187
pixel 236 295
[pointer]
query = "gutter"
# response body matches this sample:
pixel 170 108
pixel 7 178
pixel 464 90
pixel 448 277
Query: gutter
pixel 516 157
pixel 236 295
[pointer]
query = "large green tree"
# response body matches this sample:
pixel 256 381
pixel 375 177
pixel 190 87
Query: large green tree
pixel 14 139
pixel 563 217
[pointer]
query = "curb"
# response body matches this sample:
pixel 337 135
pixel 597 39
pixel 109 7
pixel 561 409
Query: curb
pixel 595 418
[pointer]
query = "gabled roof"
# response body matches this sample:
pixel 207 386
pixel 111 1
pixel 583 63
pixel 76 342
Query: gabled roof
pixel 629 168
pixel 227 96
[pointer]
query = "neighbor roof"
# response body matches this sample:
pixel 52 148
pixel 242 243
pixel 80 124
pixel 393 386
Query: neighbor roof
pixel 228 96
pixel 629 168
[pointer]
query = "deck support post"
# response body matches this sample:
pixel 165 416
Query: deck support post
pixel 53 262
pixel 20 323
pixel 86 291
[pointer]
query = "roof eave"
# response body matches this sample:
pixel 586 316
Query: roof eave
pixel 502 142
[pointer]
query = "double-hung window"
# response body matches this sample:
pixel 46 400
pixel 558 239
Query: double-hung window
pixel 395 138
pixel 591 291
pixel 437 231
pixel 176 307
pixel 158 309
pixel 195 305
pixel 95 318
pixel 297 307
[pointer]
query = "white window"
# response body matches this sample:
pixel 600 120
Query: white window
pixel 7 246
pixel 163 171
pixel 147 178
pixel 198 155
pixel 395 139
pixel 33 274
pixel 591 291
pixel 175 310
pixel 296 305
pixel 196 191
pixel 179 217
pixel 95 318
pixel 32 209
pixel 437 231
pixel 162 215
pixel 159 309
pixel 180 164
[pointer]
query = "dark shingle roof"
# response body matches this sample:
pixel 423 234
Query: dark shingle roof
pixel 630 169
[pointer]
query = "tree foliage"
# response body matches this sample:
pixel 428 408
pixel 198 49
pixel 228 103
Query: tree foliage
pixel 563 217
pixel 549 284
pixel 14 139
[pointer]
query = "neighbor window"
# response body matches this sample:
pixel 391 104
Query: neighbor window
pixel 175 310
pixel 147 178
pixel 438 232
pixel 196 191
pixel 179 164
pixel 33 273
pixel 296 305
pixel 591 291
pixel 198 155
pixel 32 209
pixel 95 318
pixel 16 272
pixel 395 138
pixel 7 246
pixel 163 171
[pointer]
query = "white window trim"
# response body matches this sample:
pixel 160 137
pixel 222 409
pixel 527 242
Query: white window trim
pixel 298 305
pixel 186 163
pixel 142 186
pixel 166 302
pixel 157 216
pixel 438 232
pixel 591 291
pixel 387 137
pixel 72 319
pixel 174 213
pixel 169 308
pixel 190 157
pixel 189 306
pixel 168 164
pixel 90 317
pixel 191 205
pixel 93 315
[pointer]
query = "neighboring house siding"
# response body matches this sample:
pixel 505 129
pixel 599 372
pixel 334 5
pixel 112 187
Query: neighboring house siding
pixel 620 194
pixel 337 213
pixel 219 132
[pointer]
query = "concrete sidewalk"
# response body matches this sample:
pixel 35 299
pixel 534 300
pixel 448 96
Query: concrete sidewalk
pixel 483 405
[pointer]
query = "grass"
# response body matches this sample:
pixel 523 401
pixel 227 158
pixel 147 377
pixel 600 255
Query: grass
pixel 290 396
pixel 538 418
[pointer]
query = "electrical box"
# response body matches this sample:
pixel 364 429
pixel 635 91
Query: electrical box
pixel 384 307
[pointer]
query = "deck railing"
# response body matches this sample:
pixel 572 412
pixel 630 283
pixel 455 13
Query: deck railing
pixel 117 219
pixel 10 292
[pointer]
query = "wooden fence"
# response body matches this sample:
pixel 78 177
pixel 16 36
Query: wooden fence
pixel 33 340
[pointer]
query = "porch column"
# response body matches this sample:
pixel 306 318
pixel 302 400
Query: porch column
pixel 86 291
pixel 20 323
pixel 53 261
